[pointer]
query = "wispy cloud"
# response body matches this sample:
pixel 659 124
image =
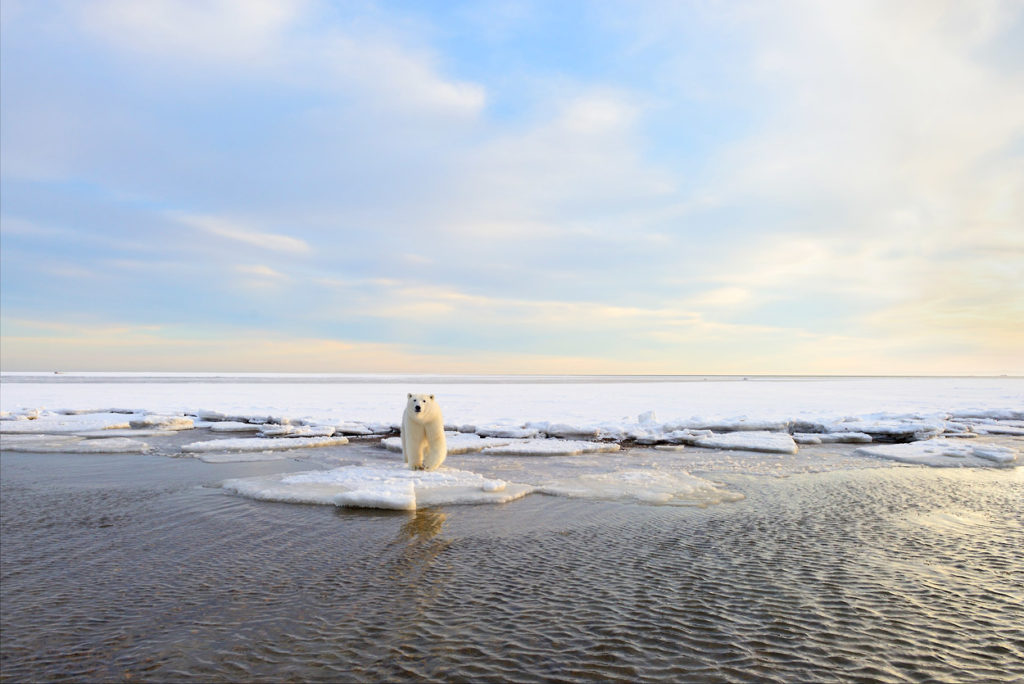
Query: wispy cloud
pixel 240 233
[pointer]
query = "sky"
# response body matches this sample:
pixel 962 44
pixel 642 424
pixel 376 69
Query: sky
pixel 644 186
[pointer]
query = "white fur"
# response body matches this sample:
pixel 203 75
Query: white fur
pixel 423 442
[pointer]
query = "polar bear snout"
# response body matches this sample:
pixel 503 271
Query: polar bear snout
pixel 417 408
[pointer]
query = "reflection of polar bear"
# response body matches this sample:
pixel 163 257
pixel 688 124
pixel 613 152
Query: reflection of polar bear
pixel 423 443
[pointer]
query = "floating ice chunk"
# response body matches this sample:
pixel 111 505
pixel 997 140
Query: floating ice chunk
pixel 773 442
pixel 507 431
pixel 53 423
pixel 389 486
pixel 944 453
pixel 677 488
pixel 260 444
pixel 296 430
pixel 64 444
pixel 234 426
pixel 151 420
pixel 549 447
pixel 831 438
pixel 647 418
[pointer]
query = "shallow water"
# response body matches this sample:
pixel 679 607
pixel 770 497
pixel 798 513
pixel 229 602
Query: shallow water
pixel 127 566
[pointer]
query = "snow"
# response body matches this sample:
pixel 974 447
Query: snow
pixel 383 486
pixel 944 453
pixel 678 488
pixel 772 442
pixel 260 444
pixel 66 444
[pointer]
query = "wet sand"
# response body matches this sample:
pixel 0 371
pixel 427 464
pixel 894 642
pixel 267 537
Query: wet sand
pixel 129 567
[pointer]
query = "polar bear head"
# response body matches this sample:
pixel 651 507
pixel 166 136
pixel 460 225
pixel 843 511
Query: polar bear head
pixel 421 407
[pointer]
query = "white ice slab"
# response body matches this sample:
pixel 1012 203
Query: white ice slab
pixel 385 486
pixel 47 444
pixel 676 488
pixel 260 444
pixel 772 442
pixel 162 422
pixel 51 423
pixel 549 447
pixel 507 431
pixel 945 453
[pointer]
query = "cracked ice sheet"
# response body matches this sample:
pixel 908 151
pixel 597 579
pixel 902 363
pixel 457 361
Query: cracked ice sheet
pixel 945 453
pixel 380 486
pixel 672 488
pixel 64 444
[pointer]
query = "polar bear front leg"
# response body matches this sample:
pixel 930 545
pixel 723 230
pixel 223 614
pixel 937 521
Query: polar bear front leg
pixel 437 447
pixel 413 444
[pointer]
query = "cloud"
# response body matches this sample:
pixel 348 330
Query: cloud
pixel 208 31
pixel 233 231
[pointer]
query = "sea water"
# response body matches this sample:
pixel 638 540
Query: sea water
pixel 140 566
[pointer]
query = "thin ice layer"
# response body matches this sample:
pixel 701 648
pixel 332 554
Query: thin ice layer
pixel 674 488
pixel 260 444
pixel 945 453
pixel 382 486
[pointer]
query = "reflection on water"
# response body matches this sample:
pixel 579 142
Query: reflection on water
pixel 881 575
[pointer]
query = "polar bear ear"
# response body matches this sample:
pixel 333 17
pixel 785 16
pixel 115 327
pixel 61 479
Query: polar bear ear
pixel 410 395
pixel 431 397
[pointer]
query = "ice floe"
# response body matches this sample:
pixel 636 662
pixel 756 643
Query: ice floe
pixel 647 486
pixel 772 442
pixel 260 444
pixel 383 486
pixel 944 453
pixel 66 444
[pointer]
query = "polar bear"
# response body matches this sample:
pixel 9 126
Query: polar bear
pixel 423 442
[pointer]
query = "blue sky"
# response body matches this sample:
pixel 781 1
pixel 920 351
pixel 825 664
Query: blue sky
pixel 512 187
